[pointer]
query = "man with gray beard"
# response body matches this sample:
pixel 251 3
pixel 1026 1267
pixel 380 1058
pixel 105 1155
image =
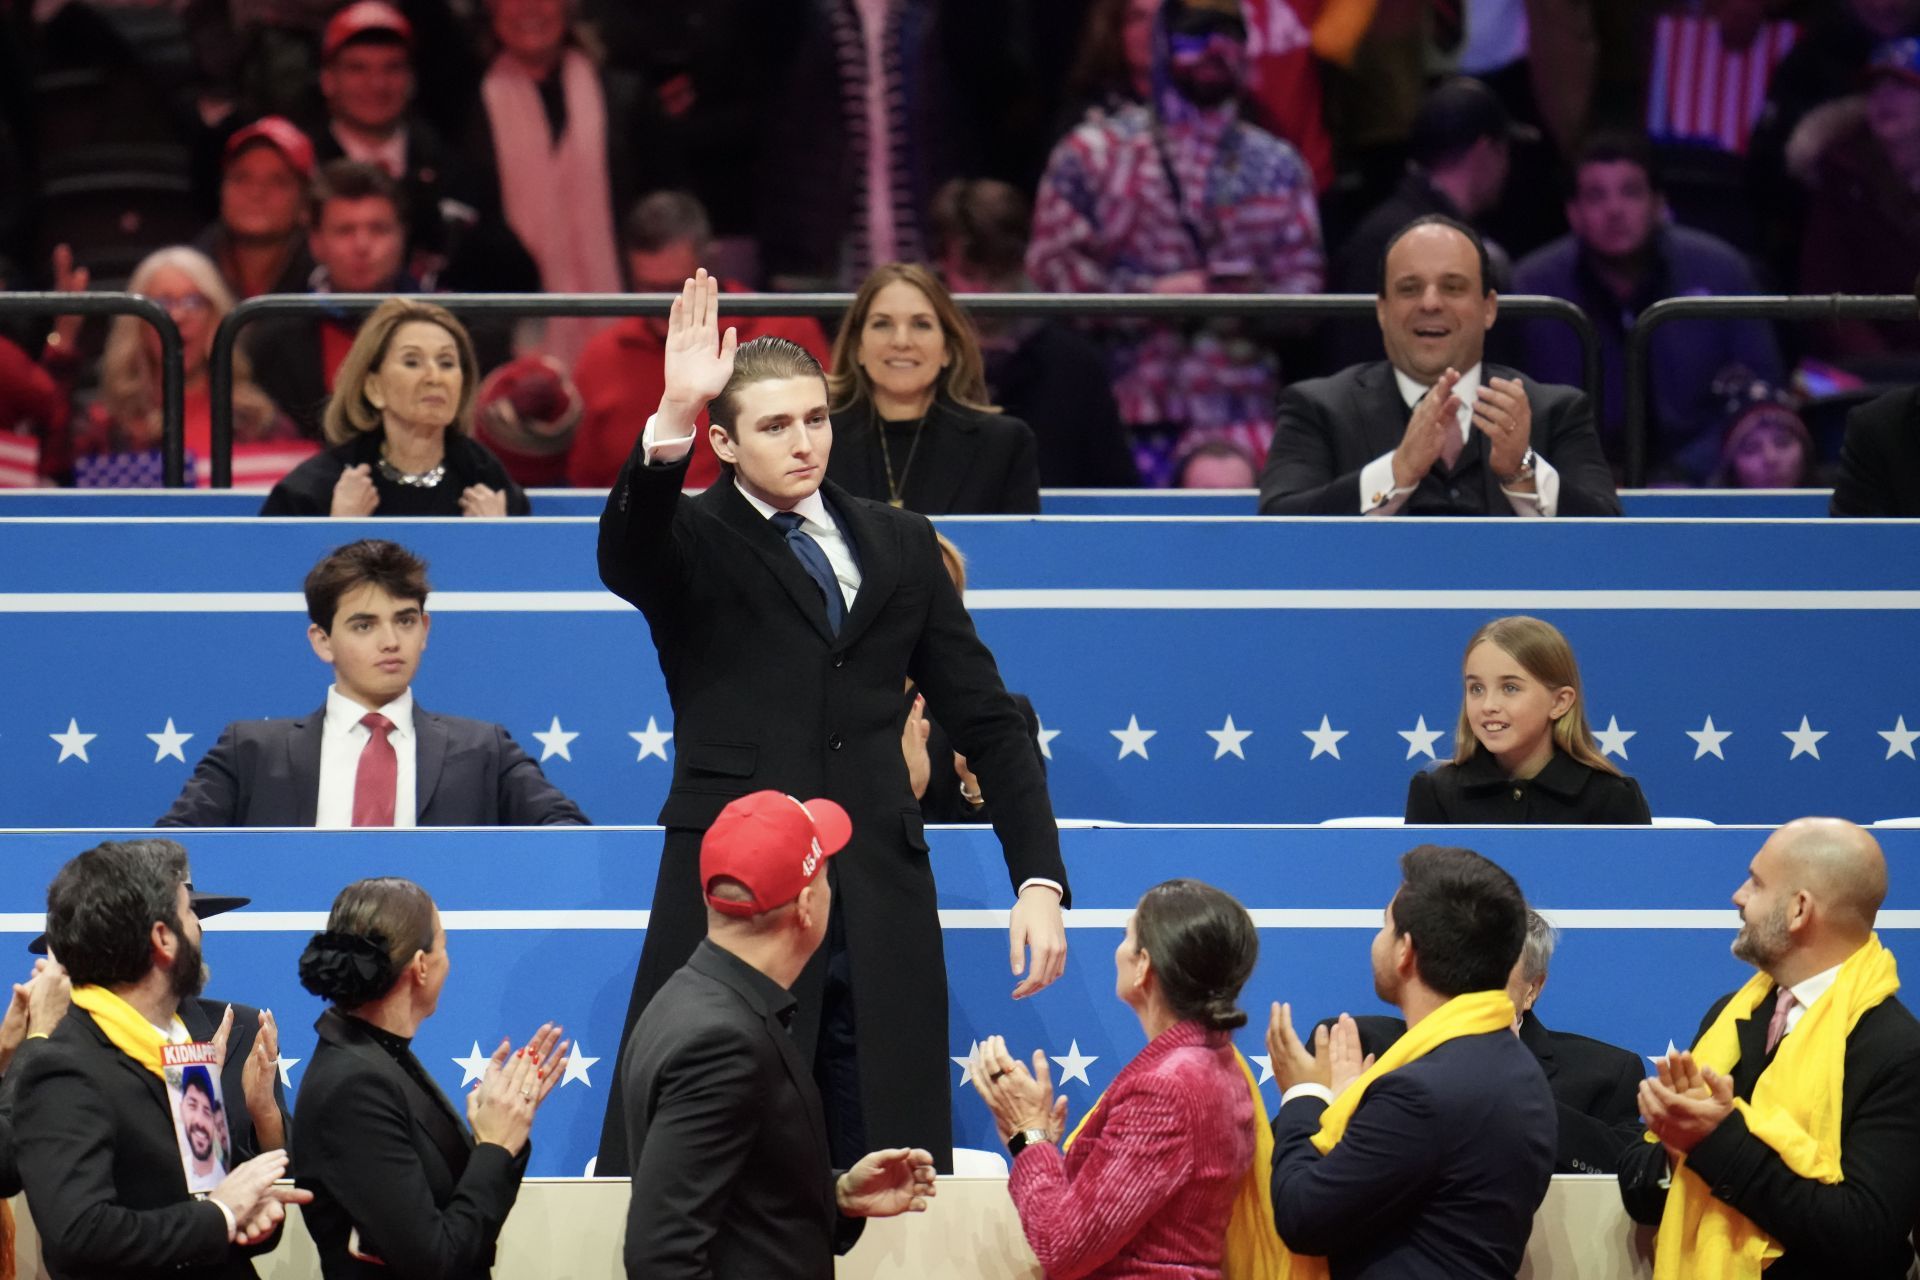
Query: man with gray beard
pixel 1789 1134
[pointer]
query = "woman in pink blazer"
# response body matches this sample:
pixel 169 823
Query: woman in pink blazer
pixel 1147 1185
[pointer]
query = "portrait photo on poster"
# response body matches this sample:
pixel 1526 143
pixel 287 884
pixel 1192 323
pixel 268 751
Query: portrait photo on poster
pixel 192 1074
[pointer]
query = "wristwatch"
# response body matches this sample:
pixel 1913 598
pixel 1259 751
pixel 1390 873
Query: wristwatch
pixel 1019 1141
pixel 1524 473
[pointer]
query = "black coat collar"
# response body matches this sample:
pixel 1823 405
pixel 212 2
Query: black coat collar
pixel 437 1117
pixel 1564 777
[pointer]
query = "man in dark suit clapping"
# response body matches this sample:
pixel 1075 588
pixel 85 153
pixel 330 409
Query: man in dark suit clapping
pixel 1431 1161
pixel 731 1171
pixel 370 756
pixel 1433 429
pixel 100 1149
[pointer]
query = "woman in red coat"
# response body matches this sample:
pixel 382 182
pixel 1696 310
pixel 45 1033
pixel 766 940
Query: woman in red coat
pixel 1147 1185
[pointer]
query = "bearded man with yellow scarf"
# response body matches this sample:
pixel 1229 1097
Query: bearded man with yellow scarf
pixel 1431 1160
pixel 1788 1140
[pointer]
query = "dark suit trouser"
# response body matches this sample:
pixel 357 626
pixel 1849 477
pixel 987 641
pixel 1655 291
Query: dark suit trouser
pixel 836 1055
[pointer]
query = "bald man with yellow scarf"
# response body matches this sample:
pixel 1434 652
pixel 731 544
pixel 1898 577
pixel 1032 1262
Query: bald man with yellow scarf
pixel 1788 1139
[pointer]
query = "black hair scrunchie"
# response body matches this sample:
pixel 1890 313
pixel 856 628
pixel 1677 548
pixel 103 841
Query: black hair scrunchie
pixel 346 968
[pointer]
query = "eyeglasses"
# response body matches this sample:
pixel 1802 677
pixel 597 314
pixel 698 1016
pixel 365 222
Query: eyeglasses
pixel 185 304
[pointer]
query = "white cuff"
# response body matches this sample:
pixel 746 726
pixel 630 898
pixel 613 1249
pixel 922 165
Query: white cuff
pixel 1031 881
pixel 1378 497
pixel 1545 498
pixel 233 1223
pixel 1307 1089
pixel 661 453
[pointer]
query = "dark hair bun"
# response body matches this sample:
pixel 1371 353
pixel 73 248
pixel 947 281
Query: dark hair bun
pixel 346 968
pixel 1222 1013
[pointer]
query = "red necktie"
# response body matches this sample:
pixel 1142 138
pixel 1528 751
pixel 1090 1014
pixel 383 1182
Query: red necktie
pixel 378 775
pixel 1778 1027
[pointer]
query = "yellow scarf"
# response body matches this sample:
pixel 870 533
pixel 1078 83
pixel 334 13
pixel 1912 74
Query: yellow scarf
pixel 1253 1246
pixel 1795 1110
pixel 125 1026
pixel 1475 1013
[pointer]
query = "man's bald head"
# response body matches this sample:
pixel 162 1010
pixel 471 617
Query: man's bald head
pixel 1840 864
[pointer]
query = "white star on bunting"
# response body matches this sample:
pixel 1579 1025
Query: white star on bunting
pixel 966 1064
pixel 1420 740
pixel 1613 739
pixel 1805 740
pixel 285 1066
pixel 1325 739
pixel 653 740
pixel 1265 1063
pixel 1707 740
pixel 1073 1064
pixel 73 742
pixel 1227 740
pixel 1045 736
pixel 555 741
pixel 472 1067
pixel 168 743
pixel 1899 739
pixel 1133 739
pixel 577 1064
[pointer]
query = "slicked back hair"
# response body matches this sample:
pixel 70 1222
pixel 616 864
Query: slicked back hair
pixel 766 359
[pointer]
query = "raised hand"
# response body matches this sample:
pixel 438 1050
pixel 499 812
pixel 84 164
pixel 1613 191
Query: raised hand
pixel 354 496
pixel 1345 1059
pixel 245 1191
pixel 698 359
pixel 1426 432
pixel 1293 1063
pixel 1502 414
pixel 1019 1099
pixel 68 278
pixel 479 500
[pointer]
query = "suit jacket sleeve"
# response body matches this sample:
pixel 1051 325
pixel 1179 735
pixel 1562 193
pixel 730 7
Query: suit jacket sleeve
pixel 1624 804
pixel 1573 447
pixel 643 552
pixel 698 1144
pixel 1302 476
pixel 1862 487
pixel 211 797
pixel 1077 1224
pixel 525 796
pixel 965 693
pixel 1596 1141
pixel 1371 1180
pixel 371 1167
pixel 1644 1172
pixel 65 1135
pixel 1846 1224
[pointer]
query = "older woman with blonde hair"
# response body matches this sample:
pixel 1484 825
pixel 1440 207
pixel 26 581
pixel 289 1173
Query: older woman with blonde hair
pixel 123 420
pixel 907 390
pixel 401 426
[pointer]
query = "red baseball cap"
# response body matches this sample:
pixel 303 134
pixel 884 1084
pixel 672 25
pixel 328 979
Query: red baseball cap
pixel 280 133
pixel 774 845
pixel 364 17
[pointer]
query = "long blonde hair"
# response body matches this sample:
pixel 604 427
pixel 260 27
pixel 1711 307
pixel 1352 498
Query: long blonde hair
pixel 130 376
pixel 964 381
pixel 1544 654
pixel 350 413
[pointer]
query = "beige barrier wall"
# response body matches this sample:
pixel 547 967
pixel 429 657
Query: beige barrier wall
pixel 571 1228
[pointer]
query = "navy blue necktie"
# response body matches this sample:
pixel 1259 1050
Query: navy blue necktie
pixel 814 561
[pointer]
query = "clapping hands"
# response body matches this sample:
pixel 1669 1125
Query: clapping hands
pixel 1684 1102
pixel 500 1109
pixel 1334 1062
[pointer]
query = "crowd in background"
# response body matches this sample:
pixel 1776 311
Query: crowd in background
pixel 204 152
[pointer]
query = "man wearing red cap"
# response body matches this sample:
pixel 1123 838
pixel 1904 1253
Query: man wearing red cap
pixel 732 1174
pixel 260 241
pixel 788 615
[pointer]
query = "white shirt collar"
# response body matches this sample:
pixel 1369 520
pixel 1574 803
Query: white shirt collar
pixel 811 509
pixel 343 713
pixel 1808 990
pixel 1467 389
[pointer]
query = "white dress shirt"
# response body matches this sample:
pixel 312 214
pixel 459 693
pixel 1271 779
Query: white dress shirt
pixel 389 154
pixel 343 738
pixel 814 520
pixel 1379 496
pixel 1805 993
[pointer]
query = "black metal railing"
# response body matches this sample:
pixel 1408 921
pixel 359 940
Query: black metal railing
pixel 173 366
pixel 1332 306
pixel 1639 366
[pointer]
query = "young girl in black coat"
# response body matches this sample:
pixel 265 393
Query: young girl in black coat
pixel 1523 752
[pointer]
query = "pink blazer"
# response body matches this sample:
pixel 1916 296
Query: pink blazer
pixel 1147 1188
